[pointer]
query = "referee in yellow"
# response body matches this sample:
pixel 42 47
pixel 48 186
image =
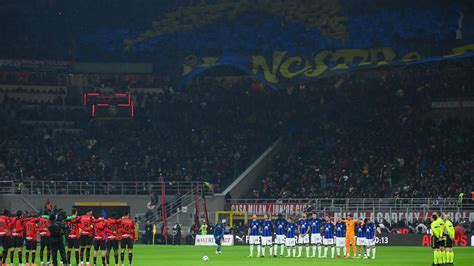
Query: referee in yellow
pixel 437 238
pixel 449 234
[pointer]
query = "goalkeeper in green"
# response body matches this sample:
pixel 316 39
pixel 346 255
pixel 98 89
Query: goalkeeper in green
pixel 437 239
pixel 449 235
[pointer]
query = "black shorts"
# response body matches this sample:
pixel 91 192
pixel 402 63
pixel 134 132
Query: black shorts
pixel 5 242
pixel 448 242
pixel 17 242
pixel 436 243
pixel 31 244
pixel 72 243
pixel 99 244
pixel 112 244
pixel 44 242
pixel 86 241
pixel 126 243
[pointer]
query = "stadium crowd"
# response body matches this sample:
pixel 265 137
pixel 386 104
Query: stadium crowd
pixel 368 134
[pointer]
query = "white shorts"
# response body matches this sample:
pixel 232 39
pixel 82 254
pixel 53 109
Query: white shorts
pixel 254 240
pixel 360 241
pixel 328 241
pixel 303 239
pixel 340 241
pixel 266 240
pixel 370 242
pixel 280 239
pixel 290 242
pixel 316 239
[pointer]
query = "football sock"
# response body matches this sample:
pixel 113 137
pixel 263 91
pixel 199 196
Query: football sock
pixel 263 251
pixel 258 250
pixel 288 251
pixel 307 251
pixel 314 251
pixel 332 252
pixel 300 250
pixel 271 251
pixel 338 251
pixel 130 257
pixel 325 251
pixel 294 251
pixel 76 252
pixel 319 251
pixel 251 250
pixel 33 257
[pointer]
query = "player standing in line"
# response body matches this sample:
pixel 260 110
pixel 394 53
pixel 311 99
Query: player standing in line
pixel 43 225
pixel 99 239
pixel 31 239
pixel 350 236
pixel 254 235
pixel 267 233
pixel 280 225
pixel 316 238
pixel 5 234
pixel 17 237
pixel 328 240
pixel 111 229
pixel 86 231
pixel 369 239
pixel 127 233
pixel 303 237
pixel 360 241
pixel 291 228
pixel 340 237
pixel 437 229
pixel 73 238
pixel 449 234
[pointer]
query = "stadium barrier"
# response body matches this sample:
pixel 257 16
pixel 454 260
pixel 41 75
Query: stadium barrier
pixel 208 240
pixel 395 240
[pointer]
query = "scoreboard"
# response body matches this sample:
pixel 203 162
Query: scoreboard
pixel 109 106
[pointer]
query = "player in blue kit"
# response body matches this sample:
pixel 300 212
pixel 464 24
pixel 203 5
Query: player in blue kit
pixel 267 233
pixel 340 237
pixel 360 241
pixel 328 239
pixel 369 239
pixel 303 237
pixel 291 237
pixel 254 235
pixel 316 239
pixel 280 225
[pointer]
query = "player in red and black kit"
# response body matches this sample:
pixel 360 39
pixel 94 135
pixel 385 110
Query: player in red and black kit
pixel 127 233
pixel 31 235
pixel 5 234
pixel 43 224
pixel 99 239
pixel 111 228
pixel 73 238
pixel 16 223
pixel 86 231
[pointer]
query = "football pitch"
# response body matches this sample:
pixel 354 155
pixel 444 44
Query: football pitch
pixel 237 256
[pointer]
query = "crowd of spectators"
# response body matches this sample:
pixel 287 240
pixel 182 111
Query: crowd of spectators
pixel 368 134
pixel 375 136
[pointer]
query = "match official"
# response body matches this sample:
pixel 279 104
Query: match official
pixel 449 234
pixel 437 240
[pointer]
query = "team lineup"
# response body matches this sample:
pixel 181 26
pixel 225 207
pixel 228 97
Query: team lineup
pixel 315 232
pixel 57 231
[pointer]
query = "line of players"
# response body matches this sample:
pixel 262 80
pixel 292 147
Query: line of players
pixel 83 232
pixel 313 231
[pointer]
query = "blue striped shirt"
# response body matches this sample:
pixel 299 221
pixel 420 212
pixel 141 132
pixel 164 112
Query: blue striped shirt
pixel 340 229
pixel 291 229
pixel 255 228
pixel 315 226
pixel 370 230
pixel 280 225
pixel 267 228
pixel 328 230
pixel 303 223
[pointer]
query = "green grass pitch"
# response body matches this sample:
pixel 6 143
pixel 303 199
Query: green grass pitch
pixel 237 256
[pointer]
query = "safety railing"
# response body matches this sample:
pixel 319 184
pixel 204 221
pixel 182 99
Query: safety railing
pixel 100 188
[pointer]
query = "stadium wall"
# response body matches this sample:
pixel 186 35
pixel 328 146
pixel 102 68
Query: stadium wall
pixel 137 203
